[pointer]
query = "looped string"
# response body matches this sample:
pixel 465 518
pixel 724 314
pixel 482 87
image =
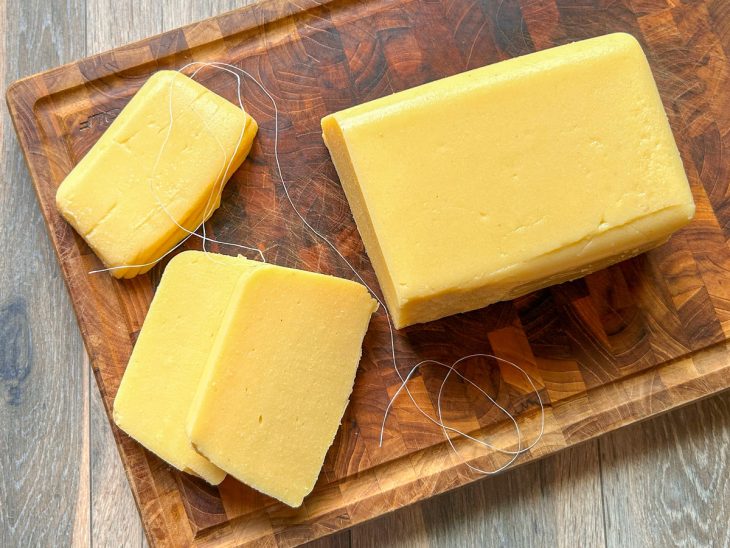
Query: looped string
pixel 446 429
pixel 451 369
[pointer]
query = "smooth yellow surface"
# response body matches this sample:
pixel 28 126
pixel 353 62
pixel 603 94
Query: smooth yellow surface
pixel 168 359
pixel 117 195
pixel 497 181
pixel 279 378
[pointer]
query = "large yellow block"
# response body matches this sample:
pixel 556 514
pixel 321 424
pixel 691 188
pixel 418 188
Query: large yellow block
pixel 493 183
pixel 172 349
pixel 121 196
pixel 279 377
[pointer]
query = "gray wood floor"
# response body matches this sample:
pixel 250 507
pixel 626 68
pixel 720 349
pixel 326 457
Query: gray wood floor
pixel 660 483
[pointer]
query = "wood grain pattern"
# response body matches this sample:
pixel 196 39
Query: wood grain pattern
pixel 679 503
pixel 113 520
pixel 513 509
pixel 610 334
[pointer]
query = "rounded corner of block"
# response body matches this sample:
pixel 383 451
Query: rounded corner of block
pixel 625 37
pixel 160 80
pixel 181 259
pixel 257 273
pixel 216 479
pixel 398 322
pixel 164 74
pixel 628 41
pixel 117 416
pixel 690 210
pixel 295 502
pixel 251 123
pixel 186 255
pixel 329 124
pixel 61 200
pixel 120 273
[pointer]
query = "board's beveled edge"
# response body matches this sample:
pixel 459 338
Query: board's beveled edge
pixel 278 10
pixel 19 106
pixel 465 476
pixel 22 105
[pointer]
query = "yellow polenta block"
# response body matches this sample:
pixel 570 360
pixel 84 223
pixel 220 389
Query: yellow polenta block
pixel 143 175
pixel 172 349
pixel 279 378
pixel 496 182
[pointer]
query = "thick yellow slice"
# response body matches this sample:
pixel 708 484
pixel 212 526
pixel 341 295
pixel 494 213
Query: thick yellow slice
pixel 493 183
pixel 172 349
pixel 121 196
pixel 279 378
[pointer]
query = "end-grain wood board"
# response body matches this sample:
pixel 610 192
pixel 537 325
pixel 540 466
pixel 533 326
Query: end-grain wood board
pixel 616 347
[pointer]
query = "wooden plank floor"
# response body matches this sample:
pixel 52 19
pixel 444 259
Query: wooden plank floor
pixel 660 483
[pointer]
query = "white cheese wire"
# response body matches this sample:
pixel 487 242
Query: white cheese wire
pixel 451 368
pixel 221 178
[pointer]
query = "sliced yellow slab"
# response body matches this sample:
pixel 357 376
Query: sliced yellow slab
pixel 171 351
pixel 279 378
pixel 121 196
pixel 493 183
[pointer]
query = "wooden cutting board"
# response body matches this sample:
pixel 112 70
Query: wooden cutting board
pixel 619 346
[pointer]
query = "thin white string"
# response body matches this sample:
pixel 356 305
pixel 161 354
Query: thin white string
pixel 404 381
pixel 221 178
pixel 445 428
pixel 452 368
